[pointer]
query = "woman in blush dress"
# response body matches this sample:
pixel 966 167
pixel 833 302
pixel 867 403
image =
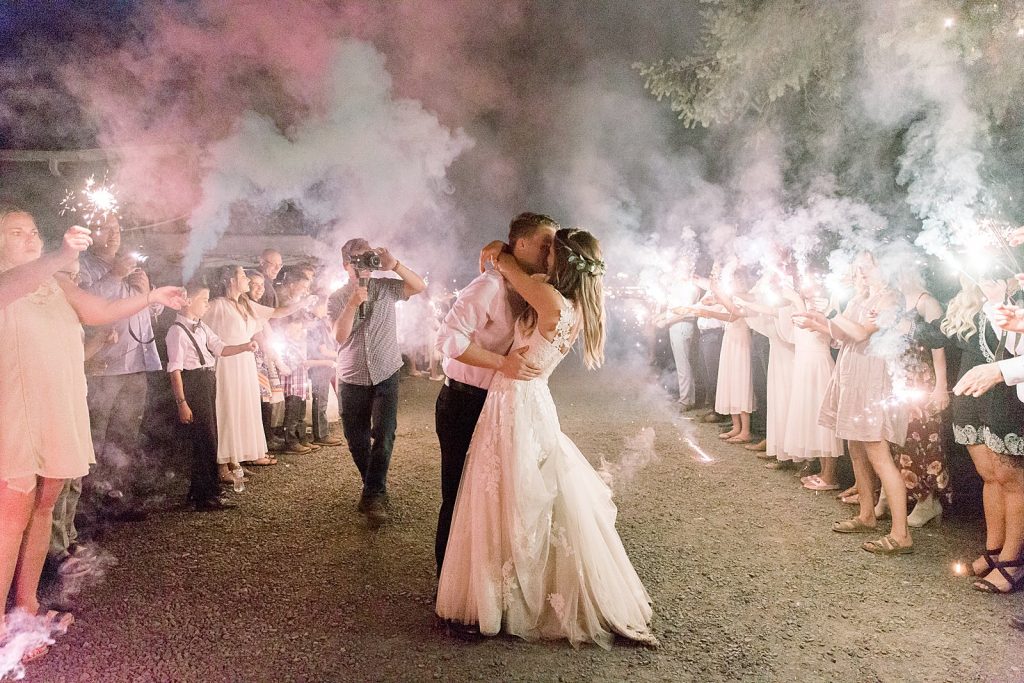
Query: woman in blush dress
pixel 533 549
pixel 45 438
pixel 859 404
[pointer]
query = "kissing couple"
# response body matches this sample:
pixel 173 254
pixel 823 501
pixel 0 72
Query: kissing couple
pixel 526 539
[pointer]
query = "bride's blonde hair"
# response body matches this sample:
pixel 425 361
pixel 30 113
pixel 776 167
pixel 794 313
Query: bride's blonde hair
pixel 584 286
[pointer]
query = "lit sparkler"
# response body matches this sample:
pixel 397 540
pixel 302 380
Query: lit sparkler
pixel 94 202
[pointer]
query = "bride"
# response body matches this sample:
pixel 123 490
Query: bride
pixel 533 549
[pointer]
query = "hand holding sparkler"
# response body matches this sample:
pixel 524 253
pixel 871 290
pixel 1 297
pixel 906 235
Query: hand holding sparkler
pixel 490 254
pixel 810 320
pixel 979 380
pixel 76 240
pixel 1008 317
pixel 138 280
pixel 939 399
pixel 172 297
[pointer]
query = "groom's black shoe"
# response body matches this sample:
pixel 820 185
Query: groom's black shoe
pixel 467 632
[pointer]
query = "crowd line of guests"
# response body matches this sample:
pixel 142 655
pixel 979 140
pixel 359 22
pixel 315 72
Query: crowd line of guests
pixel 804 381
pixel 245 351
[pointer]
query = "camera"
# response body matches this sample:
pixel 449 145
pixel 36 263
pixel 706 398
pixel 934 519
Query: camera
pixel 368 260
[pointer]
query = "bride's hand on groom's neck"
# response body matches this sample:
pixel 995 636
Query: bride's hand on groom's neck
pixel 490 254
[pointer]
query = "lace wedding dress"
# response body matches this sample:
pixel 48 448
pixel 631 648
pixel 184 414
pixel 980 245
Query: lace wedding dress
pixel 533 548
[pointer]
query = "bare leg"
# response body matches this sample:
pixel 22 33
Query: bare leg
pixel 15 510
pixel 864 480
pixel 1011 481
pixel 744 426
pixel 735 428
pixel 828 470
pixel 35 543
pixel 992 499
pixel 895 488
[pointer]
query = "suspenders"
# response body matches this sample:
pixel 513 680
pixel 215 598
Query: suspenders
pixel 199 351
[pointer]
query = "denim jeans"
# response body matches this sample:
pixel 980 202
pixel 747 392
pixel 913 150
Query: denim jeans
pixel 320 379
pixel 369 416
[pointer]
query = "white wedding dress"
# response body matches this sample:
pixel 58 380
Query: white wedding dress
pixel 533 549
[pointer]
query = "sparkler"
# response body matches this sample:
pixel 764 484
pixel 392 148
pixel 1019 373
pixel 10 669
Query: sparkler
pixel 94 202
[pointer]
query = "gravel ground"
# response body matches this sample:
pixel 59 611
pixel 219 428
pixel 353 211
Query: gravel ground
pixel 748 583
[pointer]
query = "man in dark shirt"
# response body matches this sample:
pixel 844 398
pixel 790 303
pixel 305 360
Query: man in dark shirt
pixel 369 364
pixel 270 266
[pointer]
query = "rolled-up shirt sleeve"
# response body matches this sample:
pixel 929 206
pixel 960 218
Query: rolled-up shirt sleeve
pixel 471 311
pixel 214 344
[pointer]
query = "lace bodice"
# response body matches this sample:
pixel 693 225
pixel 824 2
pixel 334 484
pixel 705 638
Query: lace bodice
pixel 548 354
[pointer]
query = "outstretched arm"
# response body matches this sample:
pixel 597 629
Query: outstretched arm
pixel 24 279
pixel 94 310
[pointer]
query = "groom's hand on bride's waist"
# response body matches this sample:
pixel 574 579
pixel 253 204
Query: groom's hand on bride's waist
pixel 515 365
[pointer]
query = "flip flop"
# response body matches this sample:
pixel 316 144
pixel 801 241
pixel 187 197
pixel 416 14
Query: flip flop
pixel 818 484
pixel 853 526
pixel 265 461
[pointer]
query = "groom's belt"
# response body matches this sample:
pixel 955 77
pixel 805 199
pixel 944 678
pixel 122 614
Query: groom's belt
pixel 464 388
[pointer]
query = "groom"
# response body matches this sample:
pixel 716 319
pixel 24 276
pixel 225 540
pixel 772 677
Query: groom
pixel 475 340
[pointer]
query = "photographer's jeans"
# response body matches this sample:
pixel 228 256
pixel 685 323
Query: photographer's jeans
pixel 369 416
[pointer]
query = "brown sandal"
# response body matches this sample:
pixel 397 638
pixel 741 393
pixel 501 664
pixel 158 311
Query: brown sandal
pixel 887 545
pixel 853 526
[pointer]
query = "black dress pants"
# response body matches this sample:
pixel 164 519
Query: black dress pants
pixel 199 439
pixel 455 416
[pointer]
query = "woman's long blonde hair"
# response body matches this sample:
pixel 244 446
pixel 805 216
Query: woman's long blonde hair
pixel 584 288
pixel 962 312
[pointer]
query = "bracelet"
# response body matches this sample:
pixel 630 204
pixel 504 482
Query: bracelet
pixel 179 401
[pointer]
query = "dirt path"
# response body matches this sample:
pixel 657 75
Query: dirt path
pixel 748 583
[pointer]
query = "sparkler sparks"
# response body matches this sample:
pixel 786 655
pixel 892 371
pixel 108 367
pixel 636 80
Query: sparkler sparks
pixel 94 202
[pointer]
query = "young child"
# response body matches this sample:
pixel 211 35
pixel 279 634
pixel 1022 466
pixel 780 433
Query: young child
pixel 322 352
pixel 191 350
pixel 296 385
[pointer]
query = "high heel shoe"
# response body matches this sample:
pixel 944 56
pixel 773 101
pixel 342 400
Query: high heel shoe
pixel 925 511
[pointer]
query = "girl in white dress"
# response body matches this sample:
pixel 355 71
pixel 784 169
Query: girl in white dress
pixel 533 549
pixel 734 394
pixel 236 320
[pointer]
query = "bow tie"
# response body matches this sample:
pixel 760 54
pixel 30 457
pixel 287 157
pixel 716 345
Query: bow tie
pixel 196 324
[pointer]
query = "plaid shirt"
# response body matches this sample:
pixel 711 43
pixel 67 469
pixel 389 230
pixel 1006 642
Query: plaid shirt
pixel 294 355
pixel 370 354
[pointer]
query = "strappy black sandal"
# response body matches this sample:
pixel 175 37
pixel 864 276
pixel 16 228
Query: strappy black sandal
pixel 1016 582
pixel 990 559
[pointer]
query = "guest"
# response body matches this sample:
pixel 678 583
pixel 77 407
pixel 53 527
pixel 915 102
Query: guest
pixel 236 320
pixel 859 408
pixel 922 460
pixel 682 334
pixel 710 352
pixel 812 369
pixel 322 352
pixel 117 374
pixel 41 315
pixel 267 371
pixel 734 393
pixel 990 425
pixel 296 385
pixel 192 350
pixel 772 320
pixel 270 265
pixel 369 365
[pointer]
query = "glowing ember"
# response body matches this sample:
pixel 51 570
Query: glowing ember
pixel 959 569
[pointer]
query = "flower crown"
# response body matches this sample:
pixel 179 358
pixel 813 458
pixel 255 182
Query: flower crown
pixel 584 264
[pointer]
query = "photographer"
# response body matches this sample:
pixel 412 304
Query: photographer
pixel 369 362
